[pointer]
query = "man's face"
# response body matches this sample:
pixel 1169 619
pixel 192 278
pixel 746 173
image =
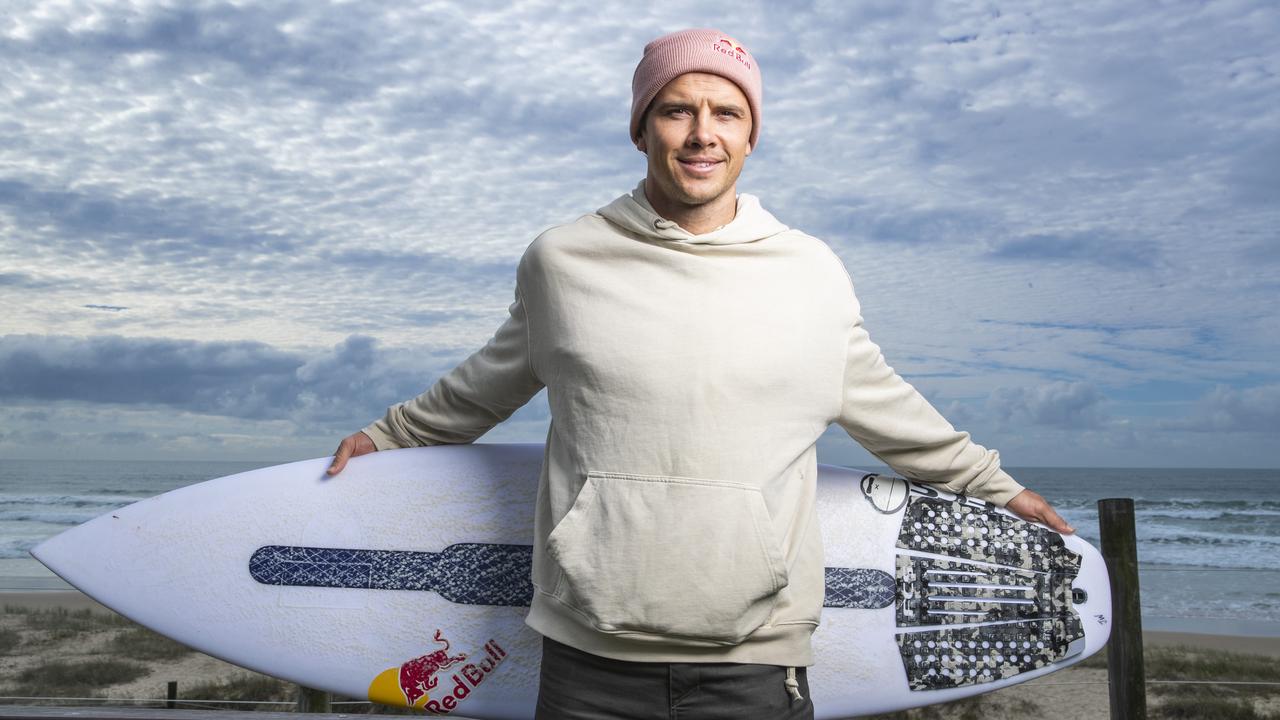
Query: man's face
pixel 697 135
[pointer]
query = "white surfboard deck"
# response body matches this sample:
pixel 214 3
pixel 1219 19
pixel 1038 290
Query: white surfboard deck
pixel 340 583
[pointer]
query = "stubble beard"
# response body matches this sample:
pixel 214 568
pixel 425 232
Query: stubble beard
pixel 698 193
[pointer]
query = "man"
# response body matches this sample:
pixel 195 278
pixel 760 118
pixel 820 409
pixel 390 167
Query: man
pixel 693 349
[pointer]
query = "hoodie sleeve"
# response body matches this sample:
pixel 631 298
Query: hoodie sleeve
pixel 892 420
pixel 466 402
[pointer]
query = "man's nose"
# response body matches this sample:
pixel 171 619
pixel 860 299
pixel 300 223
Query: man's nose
pixel 701 133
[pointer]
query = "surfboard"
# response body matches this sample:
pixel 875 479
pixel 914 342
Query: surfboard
pixel 405 580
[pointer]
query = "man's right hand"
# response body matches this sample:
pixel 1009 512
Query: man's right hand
pixel 351 446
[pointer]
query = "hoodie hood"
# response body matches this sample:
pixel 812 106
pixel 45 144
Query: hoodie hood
pixel 634 214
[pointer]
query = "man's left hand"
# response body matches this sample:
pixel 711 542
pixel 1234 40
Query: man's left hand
pixel 1029 505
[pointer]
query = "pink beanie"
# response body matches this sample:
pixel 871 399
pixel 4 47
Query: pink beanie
pixel 708 51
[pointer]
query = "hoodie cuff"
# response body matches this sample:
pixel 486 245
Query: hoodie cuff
pixel 382 439
pixel 998 488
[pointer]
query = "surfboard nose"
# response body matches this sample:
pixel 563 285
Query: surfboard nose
pixel 64 553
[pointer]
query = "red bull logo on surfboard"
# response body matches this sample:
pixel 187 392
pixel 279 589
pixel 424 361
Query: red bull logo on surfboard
pixel 414 684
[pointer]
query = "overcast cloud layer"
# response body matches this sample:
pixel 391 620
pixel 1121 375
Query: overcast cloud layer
pixel 241 231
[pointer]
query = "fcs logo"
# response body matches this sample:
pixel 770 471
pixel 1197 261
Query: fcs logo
pixel 733 50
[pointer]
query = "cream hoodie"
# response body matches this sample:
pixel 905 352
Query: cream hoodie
pixel 689 378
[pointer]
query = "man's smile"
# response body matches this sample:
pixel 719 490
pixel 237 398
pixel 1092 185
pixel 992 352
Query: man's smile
pixel 700 165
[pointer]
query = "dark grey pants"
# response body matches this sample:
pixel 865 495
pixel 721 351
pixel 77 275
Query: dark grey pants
pixel 580 686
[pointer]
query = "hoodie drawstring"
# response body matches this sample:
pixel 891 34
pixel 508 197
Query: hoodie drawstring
pixel 793 687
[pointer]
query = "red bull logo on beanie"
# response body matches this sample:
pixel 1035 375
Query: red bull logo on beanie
pixel 414 684
pixel 730 47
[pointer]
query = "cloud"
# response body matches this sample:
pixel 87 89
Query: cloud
pixel 1108 252
pixel 347 384
pixel 1233 410
pixel 253 41
pixel 158 229
pixel 295 174
pixel 116 397
pixel 1064 405
pixel 494 275
pixel 1266 251
pixel 353 375
pixel 125 437
pixel 245 379
pixel 834 216
pixel 23 280
pixel 1254 176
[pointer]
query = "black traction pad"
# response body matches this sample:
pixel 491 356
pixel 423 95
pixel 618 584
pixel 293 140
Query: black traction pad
pixel 971 529
pixel 993 569
pixel 955 657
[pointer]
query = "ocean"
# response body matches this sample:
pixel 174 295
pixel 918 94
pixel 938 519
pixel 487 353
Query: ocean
pixel 1208 540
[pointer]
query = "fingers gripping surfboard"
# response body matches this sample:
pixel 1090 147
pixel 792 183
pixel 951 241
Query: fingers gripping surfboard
pixel 405 580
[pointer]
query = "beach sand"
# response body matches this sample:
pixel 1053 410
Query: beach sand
pixel 42 599
pixel 1074 693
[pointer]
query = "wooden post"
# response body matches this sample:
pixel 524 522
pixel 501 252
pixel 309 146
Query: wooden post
pixel 171 695
pixel 1125 671
pixel 313 701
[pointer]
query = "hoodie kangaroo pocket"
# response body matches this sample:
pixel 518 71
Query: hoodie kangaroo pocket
pixel 673 559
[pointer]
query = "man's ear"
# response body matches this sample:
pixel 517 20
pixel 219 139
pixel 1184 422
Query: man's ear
pixel 640 143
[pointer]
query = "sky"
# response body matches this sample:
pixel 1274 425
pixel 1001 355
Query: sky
pixel 242 230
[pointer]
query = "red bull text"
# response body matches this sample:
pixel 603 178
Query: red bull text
pixel 468 679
